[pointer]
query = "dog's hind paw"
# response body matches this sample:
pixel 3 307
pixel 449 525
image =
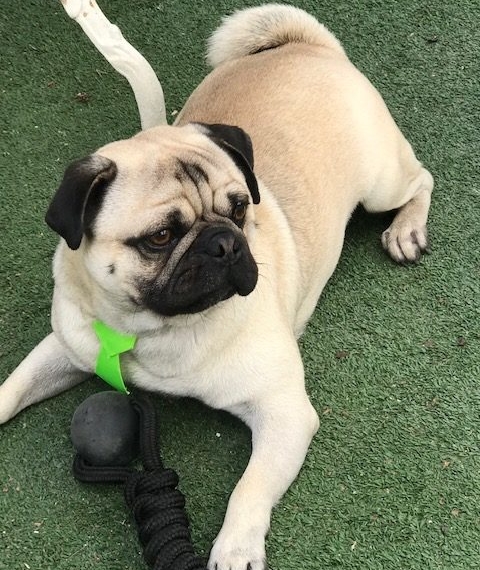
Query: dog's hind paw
pixel 405 243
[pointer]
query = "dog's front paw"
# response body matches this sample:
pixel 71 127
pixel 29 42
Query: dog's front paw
pixel 233 552
pixel 405 243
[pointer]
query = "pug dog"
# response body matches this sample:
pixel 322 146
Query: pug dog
pixel 212 245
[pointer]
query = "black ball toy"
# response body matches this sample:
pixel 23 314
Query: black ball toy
pixel 104 429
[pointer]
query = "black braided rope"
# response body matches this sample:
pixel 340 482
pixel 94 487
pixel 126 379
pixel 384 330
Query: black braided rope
pixel 157 505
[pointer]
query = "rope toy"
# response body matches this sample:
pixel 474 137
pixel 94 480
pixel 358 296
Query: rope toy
pixel 158 507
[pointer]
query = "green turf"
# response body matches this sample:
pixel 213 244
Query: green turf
pixel 392 355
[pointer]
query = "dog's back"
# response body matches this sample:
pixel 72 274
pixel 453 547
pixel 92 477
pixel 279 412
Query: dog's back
pixel 323 138
pixel 285 79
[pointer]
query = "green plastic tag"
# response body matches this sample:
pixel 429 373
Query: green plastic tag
pixel 112 344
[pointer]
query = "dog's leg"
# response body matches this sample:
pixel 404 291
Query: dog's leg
pixel 45 372
pixel 282 428
pixel 406 238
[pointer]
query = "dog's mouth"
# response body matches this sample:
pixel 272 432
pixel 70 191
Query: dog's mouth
pixel 217 266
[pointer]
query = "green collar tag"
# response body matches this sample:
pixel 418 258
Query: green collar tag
pixel 112 344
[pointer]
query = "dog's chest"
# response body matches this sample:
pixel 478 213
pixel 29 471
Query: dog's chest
pixel 182 365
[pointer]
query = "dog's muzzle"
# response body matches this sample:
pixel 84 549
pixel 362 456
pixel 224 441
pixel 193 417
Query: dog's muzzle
pixel 217 266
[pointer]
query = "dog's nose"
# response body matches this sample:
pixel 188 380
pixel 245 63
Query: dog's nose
pixel 224 246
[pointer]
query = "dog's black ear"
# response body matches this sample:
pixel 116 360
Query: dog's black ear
pixel 235 142
pixel 79 197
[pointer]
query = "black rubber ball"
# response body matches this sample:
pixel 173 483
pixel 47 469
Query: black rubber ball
pixel 104 429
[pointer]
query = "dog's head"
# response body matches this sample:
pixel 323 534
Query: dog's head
pixel 162 220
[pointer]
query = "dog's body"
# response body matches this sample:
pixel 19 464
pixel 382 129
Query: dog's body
pixel 324 142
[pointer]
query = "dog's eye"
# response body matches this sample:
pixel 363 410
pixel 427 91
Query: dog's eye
pixel 160 239
pixel 239 212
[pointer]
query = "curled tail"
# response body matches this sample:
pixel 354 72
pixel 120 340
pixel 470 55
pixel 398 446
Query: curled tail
pixel 257 29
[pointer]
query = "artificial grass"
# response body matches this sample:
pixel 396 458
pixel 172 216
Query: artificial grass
pixel 391 355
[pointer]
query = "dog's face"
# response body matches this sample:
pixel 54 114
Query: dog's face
pixel 163 221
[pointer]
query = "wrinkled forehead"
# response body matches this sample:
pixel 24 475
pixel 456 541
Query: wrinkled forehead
pixel 167 169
